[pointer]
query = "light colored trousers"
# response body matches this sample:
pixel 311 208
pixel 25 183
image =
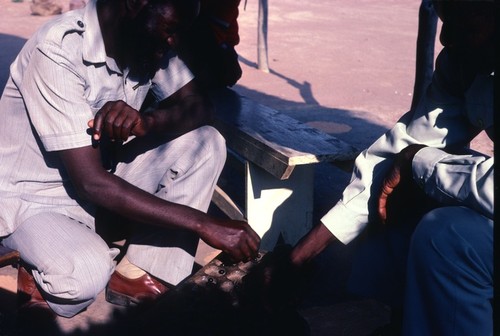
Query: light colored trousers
pixel 73 264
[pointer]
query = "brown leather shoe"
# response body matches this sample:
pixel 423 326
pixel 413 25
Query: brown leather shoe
pixel 29 299
pixel 130 292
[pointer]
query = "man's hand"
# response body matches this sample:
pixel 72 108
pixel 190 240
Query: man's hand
pixel 118 121
pixel 236 238
pixel 400 172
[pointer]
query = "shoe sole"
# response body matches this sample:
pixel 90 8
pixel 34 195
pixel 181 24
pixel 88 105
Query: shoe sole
pixel 120 299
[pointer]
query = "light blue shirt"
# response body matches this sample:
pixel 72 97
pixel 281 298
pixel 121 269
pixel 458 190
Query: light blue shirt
pixel 446 116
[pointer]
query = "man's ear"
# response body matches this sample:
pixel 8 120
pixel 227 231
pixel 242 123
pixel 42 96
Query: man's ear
pixel 135 6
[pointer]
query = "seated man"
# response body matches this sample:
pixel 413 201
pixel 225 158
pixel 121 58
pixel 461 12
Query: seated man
pixel 449 277
pixel 70 107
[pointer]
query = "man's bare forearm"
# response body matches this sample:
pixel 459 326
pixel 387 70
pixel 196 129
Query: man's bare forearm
pixel 117 195
pixel 311 245
pixel 179 118
pixel 185 110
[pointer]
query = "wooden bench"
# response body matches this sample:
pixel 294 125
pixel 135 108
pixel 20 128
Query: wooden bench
pixel 279 151
pixel 8 256
pixel 279 154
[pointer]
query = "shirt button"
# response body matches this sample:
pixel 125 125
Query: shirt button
pixel 480 122
pixel 80 24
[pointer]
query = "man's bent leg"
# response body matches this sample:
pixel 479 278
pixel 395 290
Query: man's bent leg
pixel 71 263
pixel 450 275
pixel 184 171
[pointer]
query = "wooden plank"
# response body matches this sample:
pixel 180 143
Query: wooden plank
pixel 226 204
pixel 8 256
pixel 273 140
pixel 256 152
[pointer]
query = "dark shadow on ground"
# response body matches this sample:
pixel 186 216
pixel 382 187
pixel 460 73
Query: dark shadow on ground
pixel 344 124
pixel 9 48
pixel 207 310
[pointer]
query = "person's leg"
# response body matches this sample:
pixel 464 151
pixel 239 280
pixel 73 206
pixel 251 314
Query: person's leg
pixel 71 263
pixel 184 171
pixel 380 257
pixel 449 286
pixel 379 265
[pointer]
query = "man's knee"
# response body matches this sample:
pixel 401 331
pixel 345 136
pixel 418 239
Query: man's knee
pixel 215 141
pixel 210 151
pixel 425 233
pixel 69 293
pixel 451 232
pixel 83 276
pixel 201 145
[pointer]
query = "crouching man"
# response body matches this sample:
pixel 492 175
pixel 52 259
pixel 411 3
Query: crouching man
pixel 73 139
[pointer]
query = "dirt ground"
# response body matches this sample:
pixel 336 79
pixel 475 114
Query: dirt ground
pixel 346 67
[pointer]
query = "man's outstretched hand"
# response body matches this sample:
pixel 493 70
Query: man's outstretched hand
pixel 399 173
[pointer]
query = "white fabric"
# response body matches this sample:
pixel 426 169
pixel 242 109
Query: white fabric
pixel 456 179
pixel 74 263
pixel 58 82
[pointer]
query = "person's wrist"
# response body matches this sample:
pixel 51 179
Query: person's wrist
pixel 149 122
pixel 296 258
pixel 405 158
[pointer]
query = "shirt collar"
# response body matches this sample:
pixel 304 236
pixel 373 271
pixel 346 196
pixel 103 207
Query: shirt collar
pixel 94 50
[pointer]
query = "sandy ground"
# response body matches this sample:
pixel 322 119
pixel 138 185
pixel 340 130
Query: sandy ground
pixel 346 67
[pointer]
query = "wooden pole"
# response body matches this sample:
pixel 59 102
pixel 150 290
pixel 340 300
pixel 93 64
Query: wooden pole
pixel 426 38
pixel 262 61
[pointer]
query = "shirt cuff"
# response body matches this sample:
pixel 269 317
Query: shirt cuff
pixel 343 223
pixel 424 162
pixel 65 141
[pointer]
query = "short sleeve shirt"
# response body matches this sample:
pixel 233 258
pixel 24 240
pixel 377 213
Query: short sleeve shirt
pixel 58 82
